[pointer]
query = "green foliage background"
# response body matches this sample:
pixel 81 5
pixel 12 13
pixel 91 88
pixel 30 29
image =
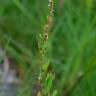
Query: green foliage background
pixel 72 42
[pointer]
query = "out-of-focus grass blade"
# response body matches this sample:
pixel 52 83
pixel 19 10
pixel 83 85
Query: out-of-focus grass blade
pixel 23 10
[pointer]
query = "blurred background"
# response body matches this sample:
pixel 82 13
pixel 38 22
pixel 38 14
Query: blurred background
pixel 72 41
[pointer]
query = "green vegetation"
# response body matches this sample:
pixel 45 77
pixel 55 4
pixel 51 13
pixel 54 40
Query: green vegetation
pixel 66 63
